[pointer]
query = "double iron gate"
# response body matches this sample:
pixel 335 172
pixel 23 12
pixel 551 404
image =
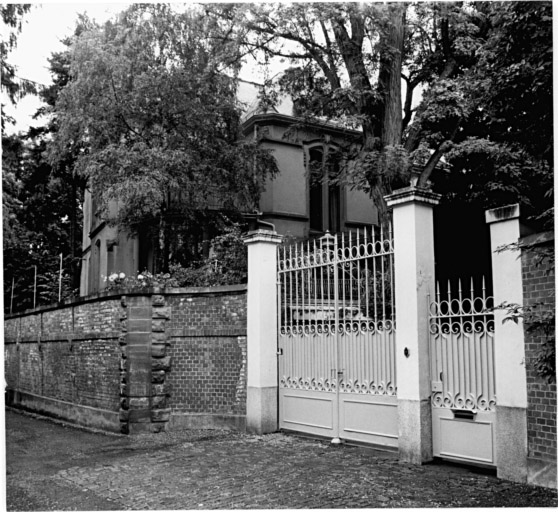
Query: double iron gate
pixel 337 338
pixel 337 346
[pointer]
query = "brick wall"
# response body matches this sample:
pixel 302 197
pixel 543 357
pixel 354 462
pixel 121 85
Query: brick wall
pixel 539 287
pixel 134 359
pixel 208 351
pixel 58 356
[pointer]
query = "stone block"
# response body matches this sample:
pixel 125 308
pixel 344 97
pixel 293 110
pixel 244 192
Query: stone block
pixel 139 339
pixel 139 325
pixel 141 311
pixel 159 337
pixel 163 363
pixel 158 350
pixel 139 416
pixel 158 325
pixel 160 414
pixel 139 402
pixel 162 312
pixel 158 377
pixel 415 431
pixel 161 389
pixel 124 389
pixel 158 300
pixel 159 402
pixel 511 443
pixel 124 414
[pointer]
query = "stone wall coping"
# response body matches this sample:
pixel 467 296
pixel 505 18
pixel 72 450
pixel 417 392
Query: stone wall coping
pixel 116 295
pixel 537 238
pixel 207 333
pixel 64 336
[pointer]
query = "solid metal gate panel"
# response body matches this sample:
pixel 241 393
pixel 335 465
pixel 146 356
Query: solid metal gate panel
pixel 337 339
pixel 463 380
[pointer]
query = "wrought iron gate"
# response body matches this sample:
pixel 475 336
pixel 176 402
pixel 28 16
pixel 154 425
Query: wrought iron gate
pixel 337 338
pixel 463 381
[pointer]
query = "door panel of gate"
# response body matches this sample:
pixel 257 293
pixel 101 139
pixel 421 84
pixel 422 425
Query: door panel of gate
pixel 464 439
pixel 463 377
pixel 307 389
pixel 368 419
pixel 337 339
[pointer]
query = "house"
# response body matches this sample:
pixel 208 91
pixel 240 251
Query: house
pixel 295 202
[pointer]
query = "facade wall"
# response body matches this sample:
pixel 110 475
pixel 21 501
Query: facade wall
pixel 539 291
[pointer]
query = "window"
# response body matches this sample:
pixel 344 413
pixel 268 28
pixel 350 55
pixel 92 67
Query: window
pixel 325 197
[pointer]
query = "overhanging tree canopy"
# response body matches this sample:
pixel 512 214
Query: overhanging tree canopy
pixel 152 103
pixel 463 66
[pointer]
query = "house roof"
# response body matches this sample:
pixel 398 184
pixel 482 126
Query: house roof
pixel 315 124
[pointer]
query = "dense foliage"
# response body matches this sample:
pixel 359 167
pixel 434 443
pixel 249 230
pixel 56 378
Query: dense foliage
pixel 152 104
pixel 41 208
pixel 477 96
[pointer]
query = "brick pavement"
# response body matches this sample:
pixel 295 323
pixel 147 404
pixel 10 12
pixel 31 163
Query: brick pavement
pixel 224 470
pixel 279 471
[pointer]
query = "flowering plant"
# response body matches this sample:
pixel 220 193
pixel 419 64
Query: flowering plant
pixel 118 280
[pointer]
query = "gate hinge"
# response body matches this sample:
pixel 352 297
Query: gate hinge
pixel 279 351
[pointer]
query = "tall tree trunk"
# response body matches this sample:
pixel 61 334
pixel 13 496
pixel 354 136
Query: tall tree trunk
pixel 389 81
pixel 390 77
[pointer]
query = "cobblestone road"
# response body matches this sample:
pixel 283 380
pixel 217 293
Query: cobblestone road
pixel 223 470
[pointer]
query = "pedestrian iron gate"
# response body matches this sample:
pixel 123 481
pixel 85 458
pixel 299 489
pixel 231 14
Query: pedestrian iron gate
pixel 462 372
pixel 337 338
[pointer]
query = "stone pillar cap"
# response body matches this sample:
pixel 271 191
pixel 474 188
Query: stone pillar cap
pixel 412 194
pixel 508 212
pixel 262 235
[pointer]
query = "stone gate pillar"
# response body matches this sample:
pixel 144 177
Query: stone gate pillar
pixel 262 384
pixel 413 236
pixel 509 347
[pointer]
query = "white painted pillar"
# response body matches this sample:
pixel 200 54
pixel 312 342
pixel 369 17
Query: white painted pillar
pixel 261 399
pixel 509 347
pixel 413 233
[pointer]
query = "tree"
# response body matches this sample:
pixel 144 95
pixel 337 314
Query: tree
pixel 14 87
pixel 151 104
pixel 37 209
pixel 41 208
pixel 349 62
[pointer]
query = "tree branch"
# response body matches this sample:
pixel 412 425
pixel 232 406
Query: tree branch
pixel 436 156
